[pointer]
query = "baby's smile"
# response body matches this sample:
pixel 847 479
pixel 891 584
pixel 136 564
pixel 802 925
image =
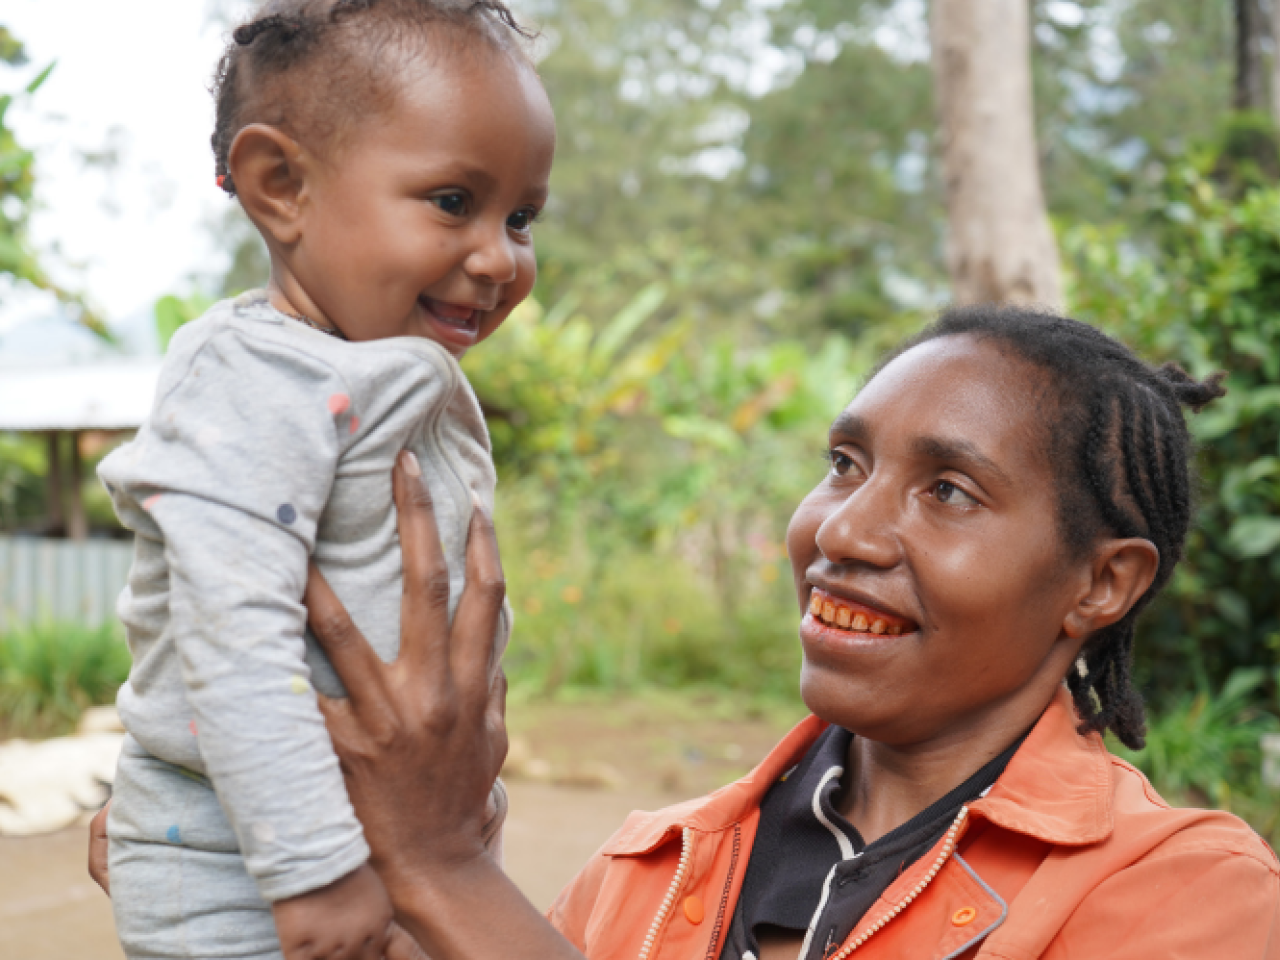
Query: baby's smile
pixel 454 325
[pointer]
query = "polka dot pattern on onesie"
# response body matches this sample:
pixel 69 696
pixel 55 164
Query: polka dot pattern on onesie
pixel 173 834
pixel 286 514
pixel 339 403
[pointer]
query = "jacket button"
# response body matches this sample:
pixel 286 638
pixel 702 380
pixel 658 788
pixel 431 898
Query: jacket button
pixel 963 916
pixel 693 909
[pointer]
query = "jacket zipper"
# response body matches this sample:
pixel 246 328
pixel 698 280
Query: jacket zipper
pixel 686 851
pixel 724 897
pixel 948 848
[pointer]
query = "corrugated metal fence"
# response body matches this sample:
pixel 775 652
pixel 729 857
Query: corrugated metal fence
pixel 61 580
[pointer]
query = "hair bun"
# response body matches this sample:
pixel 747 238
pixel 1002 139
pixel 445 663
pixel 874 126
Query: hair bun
pixel 1191 392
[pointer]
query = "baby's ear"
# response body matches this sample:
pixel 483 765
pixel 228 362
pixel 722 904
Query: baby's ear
pixel 269 169
pixel 1122 570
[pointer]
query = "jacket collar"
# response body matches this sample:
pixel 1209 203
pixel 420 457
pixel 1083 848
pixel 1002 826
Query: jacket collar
pixel 1056 788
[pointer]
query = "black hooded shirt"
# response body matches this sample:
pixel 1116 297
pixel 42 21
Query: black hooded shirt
pixel 810 871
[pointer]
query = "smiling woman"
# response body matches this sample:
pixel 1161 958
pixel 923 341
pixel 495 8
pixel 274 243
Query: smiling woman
pixel 1005 493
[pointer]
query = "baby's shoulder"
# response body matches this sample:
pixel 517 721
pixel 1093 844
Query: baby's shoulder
pixel 243 345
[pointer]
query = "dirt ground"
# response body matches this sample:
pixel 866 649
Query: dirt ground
pixel 576 771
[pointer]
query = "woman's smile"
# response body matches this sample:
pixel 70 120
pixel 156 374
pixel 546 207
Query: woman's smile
pixel 852 617
pixel 920 557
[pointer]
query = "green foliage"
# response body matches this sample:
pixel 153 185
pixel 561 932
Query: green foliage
pixel 17 191
pixel 50 672
pixel 1203 749
pixel 628 615
pixel 648 476
pixel 1207 297
pixel 172 312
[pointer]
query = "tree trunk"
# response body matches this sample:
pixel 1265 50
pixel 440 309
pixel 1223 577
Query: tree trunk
pixel 1000 245
pixel 1249 93
pixel 1275 61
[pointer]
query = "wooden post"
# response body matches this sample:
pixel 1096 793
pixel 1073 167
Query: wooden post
pixel 53 486
pixel 1000 245
pixel 77 524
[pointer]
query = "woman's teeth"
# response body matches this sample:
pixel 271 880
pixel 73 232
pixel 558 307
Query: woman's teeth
pixel 835 614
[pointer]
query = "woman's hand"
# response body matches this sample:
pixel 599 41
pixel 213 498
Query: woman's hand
pixel 420 740
pixel 98 849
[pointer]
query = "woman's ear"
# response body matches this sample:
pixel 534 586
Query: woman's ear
pixel 1122 570
pixel 269 170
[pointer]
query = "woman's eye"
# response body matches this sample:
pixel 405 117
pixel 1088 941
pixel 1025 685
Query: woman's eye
pixel 951 494
pixel 841 463
pixel 522 221
pixel 454 204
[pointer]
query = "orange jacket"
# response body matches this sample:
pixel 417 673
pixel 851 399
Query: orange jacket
pixel 1071 854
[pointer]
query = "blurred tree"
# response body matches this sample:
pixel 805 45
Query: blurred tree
pixel 17 190
pixel 1249 30
pixel 1000 247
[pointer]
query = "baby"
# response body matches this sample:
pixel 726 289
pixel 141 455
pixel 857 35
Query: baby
pixel 394 155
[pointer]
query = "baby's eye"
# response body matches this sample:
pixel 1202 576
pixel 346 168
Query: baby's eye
pixel 522 221
pixel 949 493
pixel 454 204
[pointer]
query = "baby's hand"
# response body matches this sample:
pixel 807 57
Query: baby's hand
pixel 348 920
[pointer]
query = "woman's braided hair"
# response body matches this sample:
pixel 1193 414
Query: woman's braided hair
pixel 312 67
pixel 1121 453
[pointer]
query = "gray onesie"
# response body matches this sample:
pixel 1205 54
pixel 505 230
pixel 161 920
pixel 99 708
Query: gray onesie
pixel 269 443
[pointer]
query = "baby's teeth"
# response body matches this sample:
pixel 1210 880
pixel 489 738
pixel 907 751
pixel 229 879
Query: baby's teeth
pixel 815 604
pixel 895 629
pixel 878 626
pixel 860 623
pixel 828 611
pixel 843 616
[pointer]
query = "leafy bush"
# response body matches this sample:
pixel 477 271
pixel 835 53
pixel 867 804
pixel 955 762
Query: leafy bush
pixel 50 672
pixel 1207 297
pixel 1204 749
pixel 648 476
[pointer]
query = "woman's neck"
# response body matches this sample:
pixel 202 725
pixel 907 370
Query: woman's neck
pixel 885 786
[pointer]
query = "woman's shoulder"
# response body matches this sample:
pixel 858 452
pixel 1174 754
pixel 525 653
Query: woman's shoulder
pixel 1140 810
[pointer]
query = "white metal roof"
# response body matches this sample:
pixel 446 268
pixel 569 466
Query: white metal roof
pixel 108 395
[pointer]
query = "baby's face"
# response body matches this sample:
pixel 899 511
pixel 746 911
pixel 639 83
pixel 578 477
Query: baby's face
pixel 422 226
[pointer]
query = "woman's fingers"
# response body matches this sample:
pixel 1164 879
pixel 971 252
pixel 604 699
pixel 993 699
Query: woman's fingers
pixel 476 622
pixel 401 946
pixel 349 652
pixel 424 611
pixel 98 849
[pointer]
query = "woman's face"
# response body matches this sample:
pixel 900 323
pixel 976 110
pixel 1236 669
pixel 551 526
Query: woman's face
pixel 936 532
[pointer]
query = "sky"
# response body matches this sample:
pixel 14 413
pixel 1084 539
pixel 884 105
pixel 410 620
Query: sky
pixel 131 78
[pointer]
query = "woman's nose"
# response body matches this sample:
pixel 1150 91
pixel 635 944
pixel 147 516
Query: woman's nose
pixel 862 529
pixel 492 259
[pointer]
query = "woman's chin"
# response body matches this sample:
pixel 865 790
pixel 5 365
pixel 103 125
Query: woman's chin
pixel 861 703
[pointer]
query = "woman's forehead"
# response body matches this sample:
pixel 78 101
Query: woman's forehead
pixel 953 393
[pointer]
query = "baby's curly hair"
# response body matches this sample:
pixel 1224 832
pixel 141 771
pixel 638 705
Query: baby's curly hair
pixel 315 67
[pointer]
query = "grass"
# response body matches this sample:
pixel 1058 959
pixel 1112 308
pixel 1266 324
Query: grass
pixel 50 672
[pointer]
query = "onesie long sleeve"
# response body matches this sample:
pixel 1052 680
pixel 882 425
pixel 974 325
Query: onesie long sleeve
pixel 269 444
